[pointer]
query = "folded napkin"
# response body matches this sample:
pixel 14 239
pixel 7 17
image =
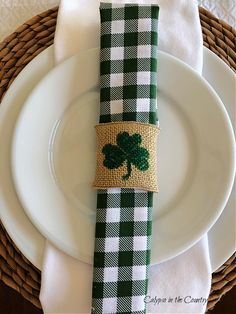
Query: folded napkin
pixel 182 284
pixel 128 65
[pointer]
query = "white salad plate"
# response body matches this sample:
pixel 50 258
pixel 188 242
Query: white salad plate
pixel 28 239
pixel 54 149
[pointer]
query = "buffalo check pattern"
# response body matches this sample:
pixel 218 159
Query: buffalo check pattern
pixel 124 216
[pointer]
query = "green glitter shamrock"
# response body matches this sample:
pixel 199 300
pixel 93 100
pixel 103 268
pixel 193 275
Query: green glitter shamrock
pixel 127 150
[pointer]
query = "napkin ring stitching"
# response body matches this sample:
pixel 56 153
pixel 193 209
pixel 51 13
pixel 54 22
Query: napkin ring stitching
pixel 127 151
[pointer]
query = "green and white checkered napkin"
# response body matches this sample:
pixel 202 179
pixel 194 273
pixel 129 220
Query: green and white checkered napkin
pixel 124 216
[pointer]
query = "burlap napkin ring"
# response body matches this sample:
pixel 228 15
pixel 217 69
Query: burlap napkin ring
pixel 126 155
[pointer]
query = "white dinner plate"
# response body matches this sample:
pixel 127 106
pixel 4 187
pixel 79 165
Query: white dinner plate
pixel 54 157
pixel 222 235
pixel 19 227
pixel 24 234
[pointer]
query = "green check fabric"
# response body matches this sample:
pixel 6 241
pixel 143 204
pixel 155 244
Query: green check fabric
pixel 124 216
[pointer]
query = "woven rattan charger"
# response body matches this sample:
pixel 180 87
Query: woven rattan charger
pixel 16 51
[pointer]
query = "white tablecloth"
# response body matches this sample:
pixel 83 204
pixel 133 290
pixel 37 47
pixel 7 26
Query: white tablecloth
pixel 15 12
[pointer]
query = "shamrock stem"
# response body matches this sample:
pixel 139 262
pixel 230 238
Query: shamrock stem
pixel 129 169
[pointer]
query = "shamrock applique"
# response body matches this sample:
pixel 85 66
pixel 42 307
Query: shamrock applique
pixel 127 150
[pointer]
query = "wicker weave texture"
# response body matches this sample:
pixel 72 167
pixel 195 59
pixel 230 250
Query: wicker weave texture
pixel 16 51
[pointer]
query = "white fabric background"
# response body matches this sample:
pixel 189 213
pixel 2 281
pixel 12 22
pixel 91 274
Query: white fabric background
pixel 15 12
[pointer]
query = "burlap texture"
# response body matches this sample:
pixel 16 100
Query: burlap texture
pixel 139 179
